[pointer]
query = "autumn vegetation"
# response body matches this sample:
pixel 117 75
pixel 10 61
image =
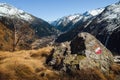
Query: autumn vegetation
pixel 5 38
pixel 16 37
pixel 30 65
pixel 24 65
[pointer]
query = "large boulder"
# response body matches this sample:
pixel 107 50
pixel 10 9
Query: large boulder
pixel 83 52
pixel 96 55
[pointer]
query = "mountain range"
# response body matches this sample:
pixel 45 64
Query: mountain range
pixel 70 48
pixel 68 22
pixel 105 26
pixel 26 30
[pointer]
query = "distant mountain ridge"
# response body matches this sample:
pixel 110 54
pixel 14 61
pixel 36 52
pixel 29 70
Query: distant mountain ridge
pixel 68 22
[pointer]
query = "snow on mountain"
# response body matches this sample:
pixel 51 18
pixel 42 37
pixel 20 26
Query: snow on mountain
pixel 12 12
pixel 66 23
pixel 93 12
pixel 10 15
pixel 106 27
pixel 108 19
pixel 66 19
pixel 111 15
pixel 73 16
pixel 112 11
pixel 73 19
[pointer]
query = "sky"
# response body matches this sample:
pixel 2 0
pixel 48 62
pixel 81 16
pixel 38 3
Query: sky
pixel 51 10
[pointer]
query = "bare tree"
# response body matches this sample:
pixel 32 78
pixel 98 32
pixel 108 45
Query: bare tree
pixel 21 33
pixel 14 34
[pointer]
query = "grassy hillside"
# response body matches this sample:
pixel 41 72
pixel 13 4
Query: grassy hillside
pixel 25 65
pixel 6 39
pixel 30 65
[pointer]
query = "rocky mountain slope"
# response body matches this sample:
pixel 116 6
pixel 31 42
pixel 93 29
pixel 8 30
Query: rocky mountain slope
pixel 25 28
pixel 105 27
pixel 68 22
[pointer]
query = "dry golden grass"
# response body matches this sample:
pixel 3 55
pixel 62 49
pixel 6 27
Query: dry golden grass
pixel 24 65
pixel 29 65
pixel 89 74
pixel 114 73
pixel 26 54
pixel 6 40
pixel 116 69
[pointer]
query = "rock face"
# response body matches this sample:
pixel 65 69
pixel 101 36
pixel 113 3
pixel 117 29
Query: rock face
pixel 83 52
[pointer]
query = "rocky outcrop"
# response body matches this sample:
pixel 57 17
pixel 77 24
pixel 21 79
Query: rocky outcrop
pixel 83 52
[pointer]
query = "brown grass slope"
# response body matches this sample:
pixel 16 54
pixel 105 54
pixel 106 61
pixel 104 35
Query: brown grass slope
pixel 25 65
pixel 6 39
pixel 30 65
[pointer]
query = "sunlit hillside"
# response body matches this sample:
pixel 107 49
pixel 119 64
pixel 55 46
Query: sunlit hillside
pixel 24 65
pixel 6 39
pixel 30 65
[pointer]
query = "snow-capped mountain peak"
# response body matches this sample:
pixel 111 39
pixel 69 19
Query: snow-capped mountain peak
pixel 66 19
pixel 7 10
pixel 93 12
pixel 112 11
pixel 69 21
pixel 71 17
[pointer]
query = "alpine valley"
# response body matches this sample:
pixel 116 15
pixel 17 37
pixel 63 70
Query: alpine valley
pixel 76 47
